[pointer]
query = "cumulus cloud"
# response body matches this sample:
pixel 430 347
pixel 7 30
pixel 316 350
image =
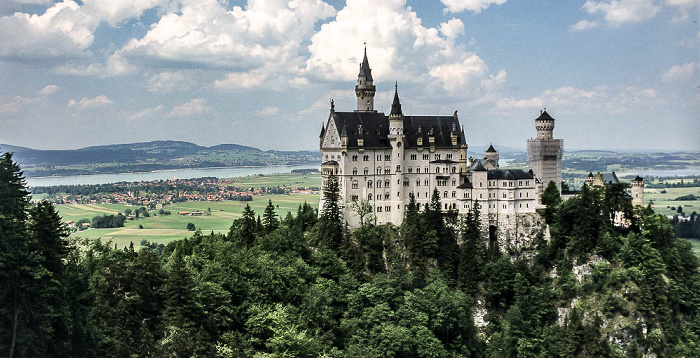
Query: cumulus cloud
pixel 583 25
pixel 475 6
pixel 64 30
pixel 115 65
pixel 87 103
pixel 619 12
pixel 204 33
pixel 399 48
pixel 48 90
pixel 195 106
pixel 680 72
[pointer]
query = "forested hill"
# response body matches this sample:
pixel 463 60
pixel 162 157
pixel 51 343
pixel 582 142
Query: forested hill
pixel 148 156
pixel 305 286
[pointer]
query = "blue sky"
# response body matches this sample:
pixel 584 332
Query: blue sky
pixel 616 74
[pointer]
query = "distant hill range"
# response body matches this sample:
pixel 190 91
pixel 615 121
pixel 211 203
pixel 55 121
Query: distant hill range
pixel 149 156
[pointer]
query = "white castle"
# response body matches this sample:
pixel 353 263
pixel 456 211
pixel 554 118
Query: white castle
pixel 383 159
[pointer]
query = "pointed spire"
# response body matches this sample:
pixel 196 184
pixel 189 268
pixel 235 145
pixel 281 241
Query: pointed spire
pixel 491 149
pixel 323 130
pixel 332 105
pixel 396 105
pixel 365 70
pixel 344 133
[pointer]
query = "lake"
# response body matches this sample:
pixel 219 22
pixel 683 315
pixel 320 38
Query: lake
pixel 163 175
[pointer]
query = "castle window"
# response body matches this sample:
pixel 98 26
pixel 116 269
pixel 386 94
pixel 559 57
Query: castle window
pixel 414 156
pixel 355 184
pixel 418 206
pixel 398 206
pixel 445 206
pixel 449 156
pixel 480 184
pixel 444 195
pixel 379 157
pixel 527 195
pixel 437 170
pixel 426 156
pixel 398 145
pixel 369 196
pixel 387 170
pixel 379 209
pixel 521 206
pixel 527 205
pixel 410 169
pixel 379 183
pixel 386 183
pixel 426 171
pixel 387 157
pixel 437 156
pixel 398 181
pixel 454 194
pixel 354 171
pixel 366 171
pixel 520 183
pixel 504 195
pixel 521 195
pixel 480 196
pixel 504 206
pixel 387 208
pixel 365 158
pixel 454 170
pixel 398 168
pixel 427 183
pixel 370 183
pixel 379 170
pixel 354 197
pixel 454 182
pixel 527 183
pixel 354 158
pixel 405 182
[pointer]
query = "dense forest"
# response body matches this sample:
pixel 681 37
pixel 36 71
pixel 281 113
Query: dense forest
pixel 306 286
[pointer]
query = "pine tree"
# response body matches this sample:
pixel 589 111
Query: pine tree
pixel 551 199
pixel 270 221
pixel 331 221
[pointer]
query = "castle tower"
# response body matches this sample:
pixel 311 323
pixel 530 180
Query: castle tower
pixel 396 116
pixel 544 152
pixel 638 191
pixel 365 90
pixel 491 156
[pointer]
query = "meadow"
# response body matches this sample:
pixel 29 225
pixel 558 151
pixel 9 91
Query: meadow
pixel 166 228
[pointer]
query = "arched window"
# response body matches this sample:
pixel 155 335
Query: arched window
pixel 355 184
pixel 427 182
pixel 387 170
pixel 366 171
pixel 386 183
pixel 379 183
pixel 379 170
pixel 354 171
pixel 405 182
pixel 454 170
pixel 454 194
pixel 444 195
pixel 369 196
pixel 370 183
pixel 410 169
pixel 417 182
pixel 398 168
pixel 354 158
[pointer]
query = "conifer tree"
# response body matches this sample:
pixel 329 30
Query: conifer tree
pixel 331 221
pixel 551 199
pixel 270 221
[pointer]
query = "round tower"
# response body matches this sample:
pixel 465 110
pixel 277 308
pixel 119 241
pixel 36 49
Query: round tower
pixel 638 191
pixel 491 155
pixel 544 125
pixel 365 89
pixel 396 116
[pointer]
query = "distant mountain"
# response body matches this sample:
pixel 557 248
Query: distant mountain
pixel 480 149
pixel 148 156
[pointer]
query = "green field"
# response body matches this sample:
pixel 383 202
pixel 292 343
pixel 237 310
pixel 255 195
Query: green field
pixel 696 246
pixel 165 228
pixel 662 201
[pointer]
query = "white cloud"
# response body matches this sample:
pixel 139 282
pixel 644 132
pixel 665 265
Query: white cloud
pixel 48 90
pixel 575 100
pixel 193 107
pixel 168 81
pixel 87 103
pixel 64 30
pixel 583 25
pixel 399 48
pixel 115 65
pixel 206 34
pixel 680 72
pixel 475 6
pixel 146 113
pixel 619 12
pixel 268 111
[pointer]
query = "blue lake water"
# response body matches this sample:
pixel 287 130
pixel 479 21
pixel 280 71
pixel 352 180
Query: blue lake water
pixel 163 174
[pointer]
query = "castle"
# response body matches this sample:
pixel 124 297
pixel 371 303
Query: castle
pixel 383 159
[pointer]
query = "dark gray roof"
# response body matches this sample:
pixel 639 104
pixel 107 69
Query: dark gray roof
pixel 544 116
pixel 330 162
pixel 509 174
pixel 443 161
pixel 396 105
pixel 466 185
pixel 323 131
pixel 478 167
pixel 491 149
pixel 375 129
pixel 364 68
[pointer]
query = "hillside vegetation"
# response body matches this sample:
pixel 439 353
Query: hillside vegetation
pixel 304 286
pixel 149 156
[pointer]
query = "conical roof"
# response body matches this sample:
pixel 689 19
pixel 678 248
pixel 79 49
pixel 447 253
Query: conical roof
pixel 364 68
pixel 544 116
pixel 396 105
pixel 491 149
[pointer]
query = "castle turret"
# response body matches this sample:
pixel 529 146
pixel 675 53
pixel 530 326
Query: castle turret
pixel 544 152
pixel 638 191
pixel 365 90
pixel 396 116
pixel 492 157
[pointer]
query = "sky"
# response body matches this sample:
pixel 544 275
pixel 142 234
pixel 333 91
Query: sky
pixel 615 74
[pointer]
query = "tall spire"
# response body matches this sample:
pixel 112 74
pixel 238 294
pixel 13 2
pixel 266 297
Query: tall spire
pixel 365 70
pixel 365 89
pixel 396 105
